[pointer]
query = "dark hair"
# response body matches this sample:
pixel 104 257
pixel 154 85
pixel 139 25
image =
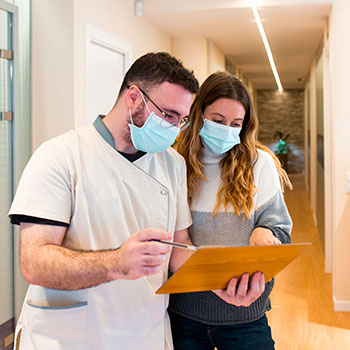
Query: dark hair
pixel 158 67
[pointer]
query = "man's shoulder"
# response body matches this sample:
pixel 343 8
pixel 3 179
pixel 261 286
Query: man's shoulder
pixel 173 155
pixel 65 140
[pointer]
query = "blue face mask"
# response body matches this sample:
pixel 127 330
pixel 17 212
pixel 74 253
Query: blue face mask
pixel 218 138
pixel 155 135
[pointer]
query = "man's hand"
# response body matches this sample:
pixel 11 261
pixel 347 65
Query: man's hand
pixel 263 236
pixel 139 256
pixel 245 293
pixel 45 262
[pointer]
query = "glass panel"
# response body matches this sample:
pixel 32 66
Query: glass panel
pixel 5 85
pixel 6 66
pixel 5 30
pixel 6 237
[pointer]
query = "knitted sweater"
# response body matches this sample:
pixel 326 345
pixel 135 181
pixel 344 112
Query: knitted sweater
pixel 232 230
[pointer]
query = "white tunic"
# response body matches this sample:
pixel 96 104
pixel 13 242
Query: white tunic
pixel 78 178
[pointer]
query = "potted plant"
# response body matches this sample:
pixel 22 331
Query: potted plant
pixel 281 149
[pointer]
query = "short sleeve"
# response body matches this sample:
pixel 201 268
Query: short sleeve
pixel 183 216
pixel 44 190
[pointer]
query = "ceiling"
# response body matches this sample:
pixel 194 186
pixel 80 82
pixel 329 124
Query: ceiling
pixel 294 29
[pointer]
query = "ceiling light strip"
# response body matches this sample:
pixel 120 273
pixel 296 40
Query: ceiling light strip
pixel 267 47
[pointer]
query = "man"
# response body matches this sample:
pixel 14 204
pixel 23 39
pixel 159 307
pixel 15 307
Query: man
pixel 90 203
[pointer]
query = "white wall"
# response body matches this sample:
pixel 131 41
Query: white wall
pixel 340 68
pixel 52 69
pixel 198 54
pixel 193 52
pixel 58 54
pixel 216 59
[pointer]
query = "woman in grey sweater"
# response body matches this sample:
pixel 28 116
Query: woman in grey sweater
pixel 235 193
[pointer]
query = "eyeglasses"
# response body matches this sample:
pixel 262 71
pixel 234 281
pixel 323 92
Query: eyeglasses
pixel 171 120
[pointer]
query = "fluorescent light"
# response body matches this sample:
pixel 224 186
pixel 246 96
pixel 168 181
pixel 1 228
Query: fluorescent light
pixel 138 7
pixel 267 47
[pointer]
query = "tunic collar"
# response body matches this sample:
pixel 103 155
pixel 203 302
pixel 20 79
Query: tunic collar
pixel 103 130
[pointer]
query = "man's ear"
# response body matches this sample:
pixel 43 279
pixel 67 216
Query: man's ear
pixel 133 97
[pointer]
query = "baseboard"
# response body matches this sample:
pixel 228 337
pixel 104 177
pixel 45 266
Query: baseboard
pixel 341 305
pixel 6 335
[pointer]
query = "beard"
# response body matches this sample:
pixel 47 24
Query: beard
pixel 138 119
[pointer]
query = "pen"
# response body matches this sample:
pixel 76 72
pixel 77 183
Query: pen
pixel 179 245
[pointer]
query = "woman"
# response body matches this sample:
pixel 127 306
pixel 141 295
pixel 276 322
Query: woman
pixel 235 194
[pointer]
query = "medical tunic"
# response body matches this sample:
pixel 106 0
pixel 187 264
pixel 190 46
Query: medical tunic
pixel 80 179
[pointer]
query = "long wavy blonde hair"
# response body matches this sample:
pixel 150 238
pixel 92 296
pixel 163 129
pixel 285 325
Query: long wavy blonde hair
pixel 237 183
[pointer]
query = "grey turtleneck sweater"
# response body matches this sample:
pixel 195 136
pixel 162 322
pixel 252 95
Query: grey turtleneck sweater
pixel 232 230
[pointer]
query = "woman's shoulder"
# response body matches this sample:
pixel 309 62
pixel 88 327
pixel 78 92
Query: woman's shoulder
pixel 264 158
pixel 265 168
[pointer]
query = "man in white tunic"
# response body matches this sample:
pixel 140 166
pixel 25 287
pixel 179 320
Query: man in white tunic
pixel 90 203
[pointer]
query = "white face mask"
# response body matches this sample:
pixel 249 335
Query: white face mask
pixel 152 137
pixel 218 138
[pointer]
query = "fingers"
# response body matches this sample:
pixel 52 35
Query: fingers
pixel 242 287
pixel 138 256
pixel 155 247
pixel 153 260
pixel 263 236
pixel 150 270
pixel 149 246
pixel 276 241
pixel 246 292
pixel 265 241
pixel 150 233
pixel 231 287
pixel 262 283
pixel 256 286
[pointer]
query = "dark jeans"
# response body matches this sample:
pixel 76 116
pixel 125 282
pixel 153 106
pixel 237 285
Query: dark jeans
pixel 192 335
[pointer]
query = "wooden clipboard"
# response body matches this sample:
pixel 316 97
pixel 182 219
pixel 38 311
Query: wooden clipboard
pixel 212 267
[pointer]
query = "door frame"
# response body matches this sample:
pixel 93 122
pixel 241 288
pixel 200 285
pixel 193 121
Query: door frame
pixel 106 40
pixel 15 94
pixel 328 159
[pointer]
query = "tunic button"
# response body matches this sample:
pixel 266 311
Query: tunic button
pixel 164 192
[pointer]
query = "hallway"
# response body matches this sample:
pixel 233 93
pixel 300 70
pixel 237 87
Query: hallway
pixel 302 315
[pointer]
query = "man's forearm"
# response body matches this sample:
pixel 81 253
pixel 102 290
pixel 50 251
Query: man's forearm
pixel 57 267
pixel 47 263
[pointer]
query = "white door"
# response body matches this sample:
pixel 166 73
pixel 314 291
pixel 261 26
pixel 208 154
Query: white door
pixel 107 60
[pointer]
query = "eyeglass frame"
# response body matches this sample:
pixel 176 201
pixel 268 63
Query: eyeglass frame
pixel 182 121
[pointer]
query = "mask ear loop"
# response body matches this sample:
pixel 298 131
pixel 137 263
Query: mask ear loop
pixel 144 101
pixel 132 122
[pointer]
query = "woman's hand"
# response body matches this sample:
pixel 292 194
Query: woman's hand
pixel 246 292
pixel 263 236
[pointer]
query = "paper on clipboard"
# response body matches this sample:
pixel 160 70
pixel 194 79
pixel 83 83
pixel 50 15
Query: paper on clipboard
pixel 211 267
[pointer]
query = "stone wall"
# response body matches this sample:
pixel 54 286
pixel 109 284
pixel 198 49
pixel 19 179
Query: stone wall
pixel 283 111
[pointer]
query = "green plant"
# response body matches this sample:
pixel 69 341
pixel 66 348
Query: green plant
pixel 281 147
